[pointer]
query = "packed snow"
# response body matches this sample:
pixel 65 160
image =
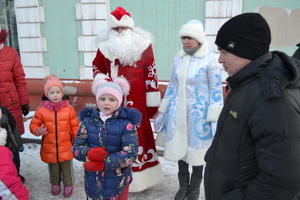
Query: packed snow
pixel 37 180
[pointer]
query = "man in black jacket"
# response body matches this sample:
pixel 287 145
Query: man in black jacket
pixel 255 152
pixel 297 52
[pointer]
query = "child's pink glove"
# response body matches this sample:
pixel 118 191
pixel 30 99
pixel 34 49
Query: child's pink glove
pixel 93 166
pixel 97 154
pixel 41 130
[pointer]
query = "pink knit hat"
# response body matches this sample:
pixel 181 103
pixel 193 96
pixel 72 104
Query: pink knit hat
pixel 50 82
pixel 118 87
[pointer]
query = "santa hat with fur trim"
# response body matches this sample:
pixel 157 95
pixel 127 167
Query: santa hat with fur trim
pixel 118 87
pixel 3 35
pixel 120 18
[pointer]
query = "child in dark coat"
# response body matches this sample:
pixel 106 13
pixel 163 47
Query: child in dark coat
pixel 11 186
pixel 107 141
pixel 14 141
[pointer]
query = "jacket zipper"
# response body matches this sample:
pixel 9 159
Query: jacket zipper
pixel 104 133
pixel 56 135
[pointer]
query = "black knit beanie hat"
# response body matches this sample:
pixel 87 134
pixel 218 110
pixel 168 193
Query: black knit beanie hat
pixel 247 35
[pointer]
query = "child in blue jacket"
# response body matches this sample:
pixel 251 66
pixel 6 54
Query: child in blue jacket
pixel 107 141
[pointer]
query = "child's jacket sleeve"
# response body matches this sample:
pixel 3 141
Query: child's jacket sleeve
pixel 11 186
pixel 80 147
pixel 36 122
pixel 74 123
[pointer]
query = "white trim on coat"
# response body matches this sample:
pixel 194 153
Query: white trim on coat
pixel 153 99
pixel 213 113
pixel 146 178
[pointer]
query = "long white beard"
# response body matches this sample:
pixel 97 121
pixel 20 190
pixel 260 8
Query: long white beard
pixel 126 46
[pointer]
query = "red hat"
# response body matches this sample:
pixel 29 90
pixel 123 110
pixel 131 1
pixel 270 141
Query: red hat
pixel 3 35
pixel 120 18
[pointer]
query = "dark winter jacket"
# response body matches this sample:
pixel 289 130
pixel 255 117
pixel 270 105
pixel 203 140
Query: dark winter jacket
pixel 14 140
pixel 118 135
pixel 255 152
pixel 297 52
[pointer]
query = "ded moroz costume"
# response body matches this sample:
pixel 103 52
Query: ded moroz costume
pixel 129 54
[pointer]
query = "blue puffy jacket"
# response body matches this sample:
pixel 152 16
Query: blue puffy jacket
pixel 118 135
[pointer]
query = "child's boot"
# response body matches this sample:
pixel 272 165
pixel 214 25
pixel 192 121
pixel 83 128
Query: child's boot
pixel 68 191
pixel 55 189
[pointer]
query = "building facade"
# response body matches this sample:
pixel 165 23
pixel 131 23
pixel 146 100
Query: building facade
pixel 58 37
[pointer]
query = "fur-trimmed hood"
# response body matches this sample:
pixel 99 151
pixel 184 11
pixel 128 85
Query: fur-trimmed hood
pixel 132 114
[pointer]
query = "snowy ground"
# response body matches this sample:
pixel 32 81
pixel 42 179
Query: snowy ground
pixel 37 180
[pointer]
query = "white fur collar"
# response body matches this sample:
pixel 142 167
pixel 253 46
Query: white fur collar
pixel 203 51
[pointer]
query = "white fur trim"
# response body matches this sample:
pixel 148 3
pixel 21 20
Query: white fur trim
pixel 163 105
pixel 176 146
pixel 125 21
pixel 3 136
pixel 195 157
pixel 213 113
pixel 146 178
pixel 114 70
pixel 192 156
pixel 202 52
pixel 153 99
pixel 194 29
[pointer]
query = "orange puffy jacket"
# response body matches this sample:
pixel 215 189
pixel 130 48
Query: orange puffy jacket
pixel 62 126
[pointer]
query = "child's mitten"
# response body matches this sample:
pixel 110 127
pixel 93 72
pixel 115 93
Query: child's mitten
pixel 94 166
pixel 97 154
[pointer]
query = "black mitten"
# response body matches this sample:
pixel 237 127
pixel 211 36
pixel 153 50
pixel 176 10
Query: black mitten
pixel 25 109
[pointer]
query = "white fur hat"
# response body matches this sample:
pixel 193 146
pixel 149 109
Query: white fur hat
pixel 193 29
pixel 120 18
pixel 3 136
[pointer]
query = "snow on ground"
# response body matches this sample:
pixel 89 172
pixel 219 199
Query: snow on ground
pixel 37 179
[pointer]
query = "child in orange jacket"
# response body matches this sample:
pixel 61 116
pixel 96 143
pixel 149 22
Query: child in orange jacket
pixel 56 121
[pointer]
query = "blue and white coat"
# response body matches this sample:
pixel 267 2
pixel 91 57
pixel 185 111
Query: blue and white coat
pixel 118 135
pixel 192 104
